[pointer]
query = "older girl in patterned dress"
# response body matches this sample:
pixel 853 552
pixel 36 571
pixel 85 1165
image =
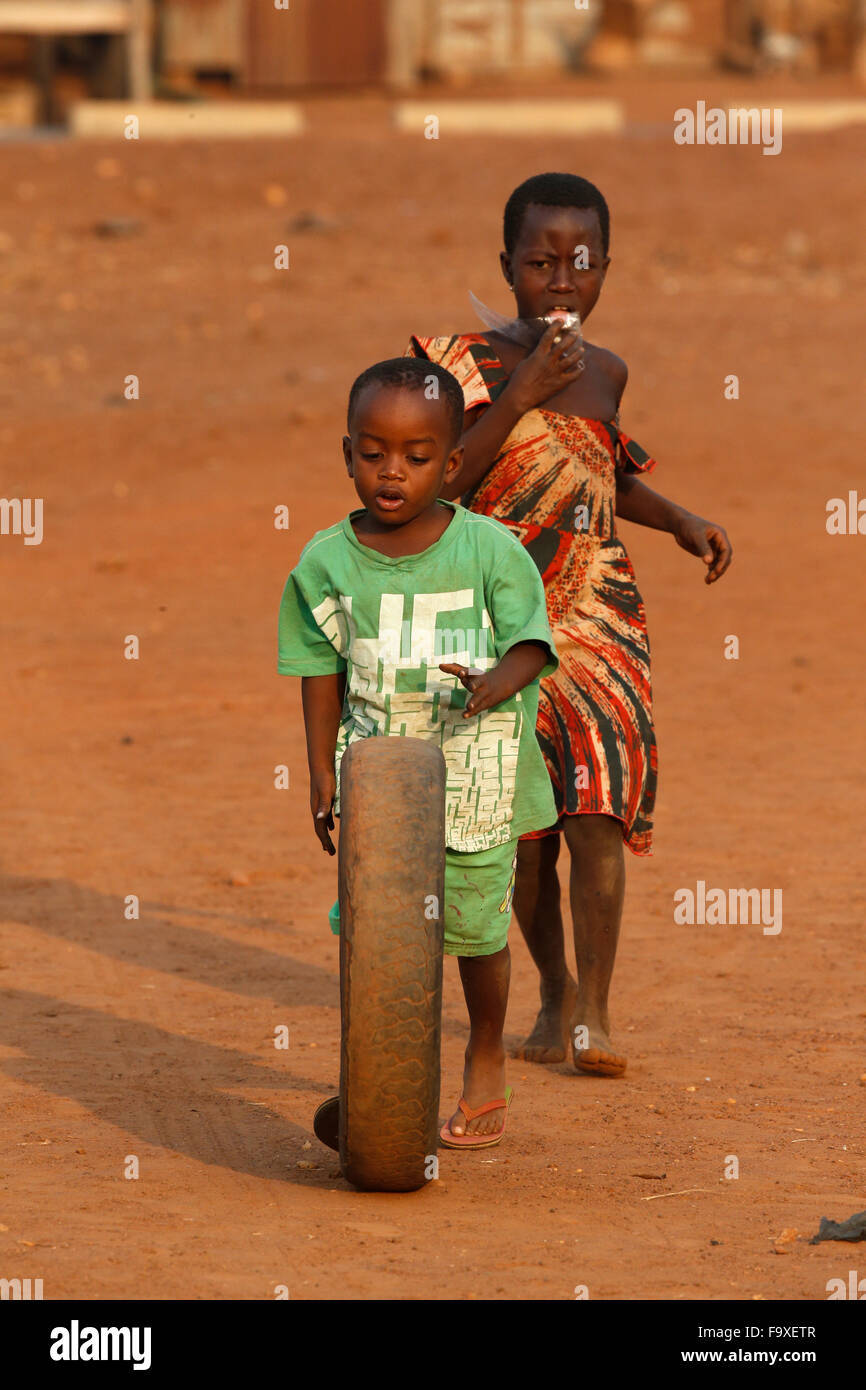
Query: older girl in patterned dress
pixel 545 456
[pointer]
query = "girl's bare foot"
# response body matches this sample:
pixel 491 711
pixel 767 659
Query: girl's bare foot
pixel 593 1052
pixel 551 1035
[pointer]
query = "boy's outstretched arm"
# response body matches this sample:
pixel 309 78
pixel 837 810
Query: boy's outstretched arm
pixel 520 665
pixel 638 503
pixel 322 698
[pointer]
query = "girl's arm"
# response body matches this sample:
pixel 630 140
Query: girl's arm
pixel 322 698
pixel 485 430
pixel 553 363
pixel 638 503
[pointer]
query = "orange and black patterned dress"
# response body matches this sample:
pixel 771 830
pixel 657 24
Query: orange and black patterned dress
pixel 554 485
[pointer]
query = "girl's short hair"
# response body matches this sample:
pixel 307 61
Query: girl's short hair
pixel 554 191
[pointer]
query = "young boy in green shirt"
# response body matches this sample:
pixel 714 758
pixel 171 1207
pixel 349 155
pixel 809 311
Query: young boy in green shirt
pixel 373 605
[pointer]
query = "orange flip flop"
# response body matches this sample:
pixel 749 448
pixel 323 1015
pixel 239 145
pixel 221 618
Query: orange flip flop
pixel 476 1141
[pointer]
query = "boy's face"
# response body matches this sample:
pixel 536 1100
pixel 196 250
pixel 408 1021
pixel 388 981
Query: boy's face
pixel 399 452
pixel 542 268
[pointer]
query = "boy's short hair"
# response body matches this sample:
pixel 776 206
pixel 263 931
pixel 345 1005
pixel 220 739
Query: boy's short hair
pixel 554 191
pixel 414 374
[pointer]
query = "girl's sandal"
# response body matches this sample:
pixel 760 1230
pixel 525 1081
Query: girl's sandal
pixel 476 1141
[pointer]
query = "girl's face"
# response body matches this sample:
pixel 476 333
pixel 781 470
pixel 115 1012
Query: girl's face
pixel 558 262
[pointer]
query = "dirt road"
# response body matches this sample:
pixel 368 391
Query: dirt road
pixel 153 1038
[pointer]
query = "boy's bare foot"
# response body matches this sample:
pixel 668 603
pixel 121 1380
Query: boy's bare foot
pixel 593 1052
pixel 483 1080
pixel 551 1036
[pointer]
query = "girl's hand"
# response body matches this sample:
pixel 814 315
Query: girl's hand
pixel 706 540
pixel 555 361
pixel 323 787
pixel 487 690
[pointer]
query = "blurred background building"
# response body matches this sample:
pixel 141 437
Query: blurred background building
pixel 55 51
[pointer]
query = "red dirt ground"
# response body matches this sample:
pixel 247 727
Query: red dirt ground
pixel 154 1037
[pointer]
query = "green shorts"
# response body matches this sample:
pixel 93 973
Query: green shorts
pixel 478 892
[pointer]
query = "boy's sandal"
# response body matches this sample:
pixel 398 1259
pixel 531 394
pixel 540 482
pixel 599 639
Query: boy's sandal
pixel 326 1122
pixel 476 1141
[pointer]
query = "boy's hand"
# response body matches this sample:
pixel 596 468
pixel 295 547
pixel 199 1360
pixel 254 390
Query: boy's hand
pixel 706 540
pixel 488 689
pixel 555 361
pixel 323 787
pixel 519 666
pixel 322 698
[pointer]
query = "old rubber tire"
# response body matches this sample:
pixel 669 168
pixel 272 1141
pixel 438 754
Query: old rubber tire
pixel 392 881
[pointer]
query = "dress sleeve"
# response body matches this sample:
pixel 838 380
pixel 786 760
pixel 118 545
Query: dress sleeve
pixel 456 356
pixel 630 457
pixel 304 649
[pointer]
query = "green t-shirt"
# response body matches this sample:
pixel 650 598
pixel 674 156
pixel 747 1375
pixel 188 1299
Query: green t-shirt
pixel 389 622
